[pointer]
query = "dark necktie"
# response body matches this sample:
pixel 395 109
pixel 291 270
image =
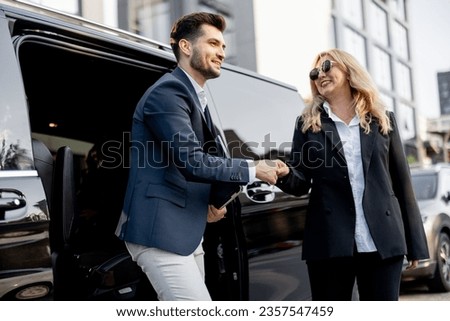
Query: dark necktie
pixel 219 146
pixel 209 121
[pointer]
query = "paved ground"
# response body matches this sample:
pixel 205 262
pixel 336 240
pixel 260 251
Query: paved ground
pixel 418 292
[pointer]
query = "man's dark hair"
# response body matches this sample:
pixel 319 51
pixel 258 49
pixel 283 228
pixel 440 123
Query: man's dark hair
pixel 189 27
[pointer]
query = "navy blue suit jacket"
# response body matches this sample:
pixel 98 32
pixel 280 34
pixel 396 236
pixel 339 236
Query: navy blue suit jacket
pixel 318 165
pixel 166 202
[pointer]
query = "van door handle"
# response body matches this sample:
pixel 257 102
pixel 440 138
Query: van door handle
pixel 11 203
pixel 260 192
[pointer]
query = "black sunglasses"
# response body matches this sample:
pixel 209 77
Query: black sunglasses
pixel 326 66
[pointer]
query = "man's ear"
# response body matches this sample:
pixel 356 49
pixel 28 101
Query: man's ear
pixel 185 47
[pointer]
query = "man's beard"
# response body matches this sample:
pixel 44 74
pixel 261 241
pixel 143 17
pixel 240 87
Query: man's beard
pixel 198 65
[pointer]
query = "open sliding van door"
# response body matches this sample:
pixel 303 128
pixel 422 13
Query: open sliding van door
pixel 25 263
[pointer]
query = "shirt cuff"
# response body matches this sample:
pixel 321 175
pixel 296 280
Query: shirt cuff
pixel 251 171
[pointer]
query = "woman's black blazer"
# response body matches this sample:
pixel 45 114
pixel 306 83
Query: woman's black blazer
pixel 318 166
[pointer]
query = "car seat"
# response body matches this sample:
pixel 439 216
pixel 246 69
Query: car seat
pixel 80 273
pixel 43 163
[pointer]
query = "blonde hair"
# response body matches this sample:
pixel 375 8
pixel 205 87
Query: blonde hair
pixel 367 102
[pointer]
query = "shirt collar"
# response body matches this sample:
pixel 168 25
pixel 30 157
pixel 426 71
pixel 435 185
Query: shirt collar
pixel 198 90
pixel 327 107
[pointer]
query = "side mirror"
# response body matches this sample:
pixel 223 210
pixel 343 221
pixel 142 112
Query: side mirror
pixel 446 197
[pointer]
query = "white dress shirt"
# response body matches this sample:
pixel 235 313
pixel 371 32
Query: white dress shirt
pixel 350 138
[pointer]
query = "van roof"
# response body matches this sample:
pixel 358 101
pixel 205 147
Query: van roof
pixel 64 21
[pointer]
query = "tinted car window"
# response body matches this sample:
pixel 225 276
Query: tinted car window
pixel 15 145
pixel 425 186
pixel 255 114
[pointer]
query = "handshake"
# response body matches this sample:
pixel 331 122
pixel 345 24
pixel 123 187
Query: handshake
pixel 270 170
pixel 266 170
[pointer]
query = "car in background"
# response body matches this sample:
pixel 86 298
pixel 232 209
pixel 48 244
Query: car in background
pixel 432 188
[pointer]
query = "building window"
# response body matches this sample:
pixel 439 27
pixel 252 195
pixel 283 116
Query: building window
pixel 352 11
pixel 153 20
pixel 400 40
pixel 69 6
pixel 381 68
pixel 378 25
pixel 388 101
pixel 403 80
pixel 406 122
pixel 444 92
pixel 355 44
pixel 398 6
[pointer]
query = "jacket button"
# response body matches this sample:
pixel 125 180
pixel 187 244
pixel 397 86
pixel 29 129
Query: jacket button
pixel 388 212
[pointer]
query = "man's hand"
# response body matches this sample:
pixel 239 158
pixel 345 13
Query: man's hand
pixel 214 214
pixel 269 170
pixel 266 170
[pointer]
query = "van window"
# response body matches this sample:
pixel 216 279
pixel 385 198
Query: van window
pixel 15 145
pixel 257 116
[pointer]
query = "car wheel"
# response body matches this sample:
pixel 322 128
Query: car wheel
pixel 30 292
pixel 441 279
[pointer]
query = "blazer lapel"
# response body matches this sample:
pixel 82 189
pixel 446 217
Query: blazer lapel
pixel 367 140
pixel 367 143
pixel 181 75
pixel 208 135
pixel 332 136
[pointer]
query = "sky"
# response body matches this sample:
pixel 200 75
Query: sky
pixel 430 50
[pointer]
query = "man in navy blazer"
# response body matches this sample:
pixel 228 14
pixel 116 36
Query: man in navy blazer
pixel 166 205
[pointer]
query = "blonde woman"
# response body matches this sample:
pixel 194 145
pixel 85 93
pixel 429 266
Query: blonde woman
pixel 363 218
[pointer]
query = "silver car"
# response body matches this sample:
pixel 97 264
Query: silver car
pixel 432 187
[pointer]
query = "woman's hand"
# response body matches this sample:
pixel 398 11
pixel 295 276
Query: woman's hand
pixel 412 264
pixel 282 168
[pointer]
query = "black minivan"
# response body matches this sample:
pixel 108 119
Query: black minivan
pixel 68 89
